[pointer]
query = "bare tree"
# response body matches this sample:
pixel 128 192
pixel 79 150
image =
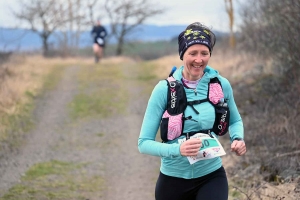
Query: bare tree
pixel 230 11
pixel 78 20
pixel 126 15
pixel 91 5
pixel 80 17
pixel 81 14
pixel 44 17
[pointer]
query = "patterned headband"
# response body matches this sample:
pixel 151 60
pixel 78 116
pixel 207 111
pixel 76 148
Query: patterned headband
pixel 190 37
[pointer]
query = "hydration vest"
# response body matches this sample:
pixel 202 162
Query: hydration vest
pixel 173 119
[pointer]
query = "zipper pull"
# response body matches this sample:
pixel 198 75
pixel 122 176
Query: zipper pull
pixel 210 134
pixel 190 118
pixel 195 91
pixel 187 136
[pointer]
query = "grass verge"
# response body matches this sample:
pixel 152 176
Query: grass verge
pixel 102 92
pixel 22 81
pixel 56 180
pixel 22 86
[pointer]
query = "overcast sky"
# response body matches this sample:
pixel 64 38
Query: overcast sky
pixel 210 12
pixel 182 12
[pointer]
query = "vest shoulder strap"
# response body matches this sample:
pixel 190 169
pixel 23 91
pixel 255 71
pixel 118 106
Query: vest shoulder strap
pixel 176 97
pixel 212 80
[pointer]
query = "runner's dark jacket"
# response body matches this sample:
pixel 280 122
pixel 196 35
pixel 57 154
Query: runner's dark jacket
pixel 99 32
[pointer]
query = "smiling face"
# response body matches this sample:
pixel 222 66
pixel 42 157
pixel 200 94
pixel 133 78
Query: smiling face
pixel 195 60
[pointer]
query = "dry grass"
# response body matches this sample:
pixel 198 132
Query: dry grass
pixel 23 75
pixel 21 80
pixel 27 74
pixel 236 65
pixel 164 65
pixel 231 64
pixel 117 60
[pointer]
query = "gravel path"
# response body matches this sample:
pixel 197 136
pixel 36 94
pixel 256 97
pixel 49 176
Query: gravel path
pixel 130 175
pixel 114 156
pixel 51 116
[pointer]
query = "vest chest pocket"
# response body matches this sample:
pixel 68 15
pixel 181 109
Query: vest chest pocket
pixel 222 119
pixel 171 126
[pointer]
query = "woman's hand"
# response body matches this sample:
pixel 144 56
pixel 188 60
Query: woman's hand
pixel 239 147
pixel 190 147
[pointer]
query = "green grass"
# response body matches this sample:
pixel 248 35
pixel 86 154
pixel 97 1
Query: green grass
pixel 16 124
pixel 234 193
pixel 146 77
pixel 103 89
pixel 142 50
pixel 54 77
pixel 48 168
pixel 100 134
pixel 99 103
pixel 150 50
pixel 102 92
pixel 56 180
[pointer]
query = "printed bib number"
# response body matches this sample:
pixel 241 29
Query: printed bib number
pixel 100 41
pixel 211 148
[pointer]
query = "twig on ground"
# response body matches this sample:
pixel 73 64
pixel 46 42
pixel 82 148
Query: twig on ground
pixel 285 154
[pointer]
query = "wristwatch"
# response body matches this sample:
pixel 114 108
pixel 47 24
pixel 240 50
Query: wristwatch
pixel 239 139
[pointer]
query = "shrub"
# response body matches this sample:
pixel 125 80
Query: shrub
pixel 271 30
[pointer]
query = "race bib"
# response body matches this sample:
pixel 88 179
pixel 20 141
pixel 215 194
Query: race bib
pixel 211 148
pixel 100 41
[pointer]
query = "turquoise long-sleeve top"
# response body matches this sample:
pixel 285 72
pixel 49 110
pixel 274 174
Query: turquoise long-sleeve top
pixel 172 162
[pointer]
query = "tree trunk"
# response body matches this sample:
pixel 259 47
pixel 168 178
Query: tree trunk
pixel 45 45
pixel 230 11
pixel 120 46
pixel 120 13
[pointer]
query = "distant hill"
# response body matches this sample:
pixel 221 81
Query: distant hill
pixel 24 39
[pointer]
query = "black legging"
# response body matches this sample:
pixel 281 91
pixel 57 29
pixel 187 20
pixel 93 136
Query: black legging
pixel 213 186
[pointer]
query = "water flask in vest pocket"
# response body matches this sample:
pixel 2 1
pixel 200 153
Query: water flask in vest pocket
pixel 171 126
pixel 222 119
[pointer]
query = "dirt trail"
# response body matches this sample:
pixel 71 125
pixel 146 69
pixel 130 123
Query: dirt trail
pixel 130 175
pixel 51 116
pixel 114 156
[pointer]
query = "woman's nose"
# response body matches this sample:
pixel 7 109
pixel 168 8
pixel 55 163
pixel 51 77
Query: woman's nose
pixel 199 59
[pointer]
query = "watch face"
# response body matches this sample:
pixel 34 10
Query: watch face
pixel 239 139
